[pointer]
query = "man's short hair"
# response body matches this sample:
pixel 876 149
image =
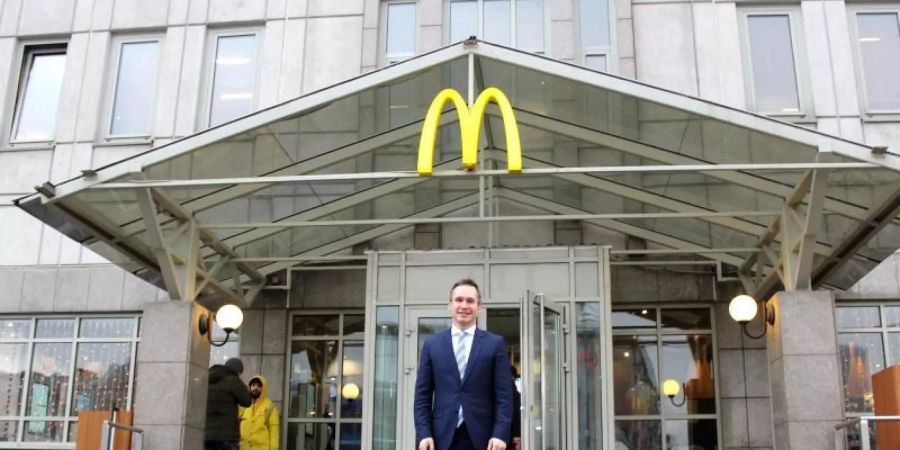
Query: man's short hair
pixel 466 282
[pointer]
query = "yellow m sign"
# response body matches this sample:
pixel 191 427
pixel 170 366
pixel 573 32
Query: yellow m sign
pixel 469 127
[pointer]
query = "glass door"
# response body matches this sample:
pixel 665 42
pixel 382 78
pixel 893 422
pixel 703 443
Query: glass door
pixel 544 358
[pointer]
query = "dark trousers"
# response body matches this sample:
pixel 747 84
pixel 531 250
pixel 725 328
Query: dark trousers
pixel 221 445
pixel 461 439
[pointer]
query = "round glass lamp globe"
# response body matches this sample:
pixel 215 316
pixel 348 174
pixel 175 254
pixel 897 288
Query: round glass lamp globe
pixel 742 308
pixel 350 391
pixel 229 317
pixel 671 388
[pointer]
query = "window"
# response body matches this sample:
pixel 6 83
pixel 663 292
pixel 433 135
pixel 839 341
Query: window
pixel 868 342
pixel 515 23
pixel 40 84
pixel 772 63
pixel 232 85
pixel 878 49
pixel 53 367
pixel 399 31
pixel 595 33
pixel 325 389
pixel 651 345
pixel 134 87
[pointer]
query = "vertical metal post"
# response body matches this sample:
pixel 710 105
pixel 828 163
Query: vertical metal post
pixel 864 434
pixel 104 436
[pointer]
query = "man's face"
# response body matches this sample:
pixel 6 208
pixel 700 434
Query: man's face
pixel 255 389
pixel 464 306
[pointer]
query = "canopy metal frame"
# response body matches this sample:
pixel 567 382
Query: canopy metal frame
pixel 187 258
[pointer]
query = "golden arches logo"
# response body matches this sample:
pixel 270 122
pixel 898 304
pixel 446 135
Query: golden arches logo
pixel 469 127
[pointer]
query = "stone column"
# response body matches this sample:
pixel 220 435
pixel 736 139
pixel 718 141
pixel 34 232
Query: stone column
pixel 803 371
pixel 172 372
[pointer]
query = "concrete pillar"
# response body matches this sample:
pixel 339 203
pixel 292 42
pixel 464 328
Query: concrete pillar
pixel 804 376
pixel 172 372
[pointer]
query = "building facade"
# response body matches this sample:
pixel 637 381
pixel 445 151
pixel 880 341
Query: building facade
pixel 88 83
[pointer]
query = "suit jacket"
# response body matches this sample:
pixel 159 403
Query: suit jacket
pixel 485 392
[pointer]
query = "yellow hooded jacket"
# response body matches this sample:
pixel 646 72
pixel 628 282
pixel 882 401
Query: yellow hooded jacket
pixel 260 422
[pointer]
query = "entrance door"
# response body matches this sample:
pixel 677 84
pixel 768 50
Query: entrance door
pixel 544 356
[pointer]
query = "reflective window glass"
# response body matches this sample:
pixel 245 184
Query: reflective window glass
pixel 634 318
pixel 12 378
pixel 354 324
pixel 401 31
pixel 44 431
pixel 590 386
pixel 316 325
pixel 39 93
pixel 689 361
pixel 879 47
pixel 530 25
pixel 310 436
pixel 47 388
pixel 384 415
pixel 9 429
pixel 857 316
pixel 686 319
pixel 101 376
pixel 635 363
pixel 638 434
pixel 233 78
pixel 497 22
pixel 15 328
pixel 595 62
pixel 463 20
pixel 894 348
pixel 892 316
pixel 313 379
pixel 352 383
pixel 351 436
pixel 135 88
pixel 55 328
pixel 772 59
pixel 691 434
pixel 107 328
pixel 594 15
pixel 861 355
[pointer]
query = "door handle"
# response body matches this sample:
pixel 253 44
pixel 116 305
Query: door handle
pixel 408 370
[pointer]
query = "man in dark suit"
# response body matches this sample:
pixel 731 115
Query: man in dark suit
pixel 463 387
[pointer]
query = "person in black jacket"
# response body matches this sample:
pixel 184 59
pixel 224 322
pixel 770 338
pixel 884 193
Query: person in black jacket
pixel 226 392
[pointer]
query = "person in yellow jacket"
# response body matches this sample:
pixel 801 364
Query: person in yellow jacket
pixel 260 421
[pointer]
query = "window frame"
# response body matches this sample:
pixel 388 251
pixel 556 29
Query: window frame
pixel 21 418
pixel 610 51
pixel 209 70
pixel 479 26
pixel 806 113
pixel 853 11
pixel 25 56
pixel 383 58
pixel 115 57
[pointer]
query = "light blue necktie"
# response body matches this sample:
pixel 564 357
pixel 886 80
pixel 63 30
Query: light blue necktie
pixel 461 358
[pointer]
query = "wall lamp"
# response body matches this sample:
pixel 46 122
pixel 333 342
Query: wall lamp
pixel 671 388
pixel 743 309
pixel 229 319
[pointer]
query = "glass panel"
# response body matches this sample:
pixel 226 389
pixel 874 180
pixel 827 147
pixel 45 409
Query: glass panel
pixel 595 62
pixel 43 84
pixel 313 379
pixel 430 326
pixel 107 328
pixel 49 380
pixel 879 46
pixel 351 436
pixel 310 436
pixel 319 325
pixel 496 17
pixel 772 58
pixel 590 385
pixel 234 78
pixel 135 88
pixel 15 329
pixel 354 325
pixel 686 319
pixel 892 316
pixel 858 317
pixel 401 30
pixel 861 355
pixel 12 377
pixel 689 361
pixel 530 25
pixel 43 431
pixel 552 415
pixel 384 415
pixel 635 364
pixel 594 23
pixel 55 328
pixel 536 368
pixel 352 394
pixel 691 434
pixel 73 431
pixel 101 376
pixel 463 20
pixel 9 429
pixel 894 349
pixel 638 435
pixel 634 318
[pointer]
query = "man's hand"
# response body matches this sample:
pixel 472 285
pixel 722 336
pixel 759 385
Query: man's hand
pixel 426 444
pixel 496 444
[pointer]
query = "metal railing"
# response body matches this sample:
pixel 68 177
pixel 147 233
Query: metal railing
pixel 841 432
pixel 107 442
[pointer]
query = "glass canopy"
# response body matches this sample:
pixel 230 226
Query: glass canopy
pixel 604 150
